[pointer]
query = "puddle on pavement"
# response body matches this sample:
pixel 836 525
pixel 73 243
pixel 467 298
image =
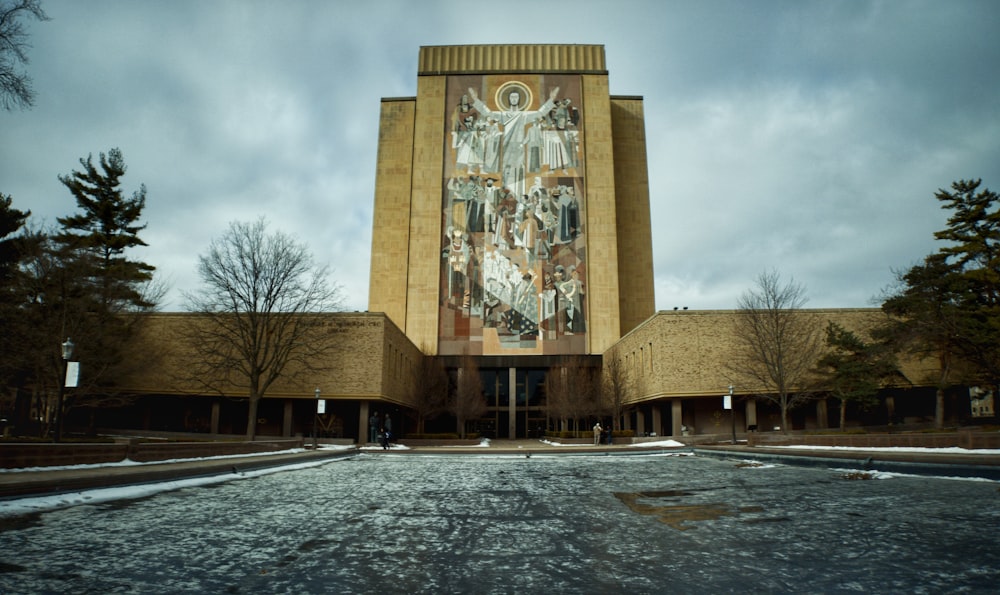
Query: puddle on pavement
pixel 20 522
pixel 312 544
pixel 5 567
pixel 678 516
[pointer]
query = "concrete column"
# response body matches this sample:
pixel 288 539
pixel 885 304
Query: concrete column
pixel 752 412
pixel 363 429
pixel 657 420
pixel 512 404
pixel 640 422
pixel 286 422
pixel 216 408
pixel 676 416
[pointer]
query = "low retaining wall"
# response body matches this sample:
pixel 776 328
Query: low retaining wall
pixel 438 442
pixel 21 455
pixel 961 439
pixel 614 440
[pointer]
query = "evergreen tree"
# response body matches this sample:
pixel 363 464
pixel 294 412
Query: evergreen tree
pixel 855 369
pixel 98 237
pixel 973 253
pixel 11 221
pixel 949 305
pixel 13 332
pixel 88 287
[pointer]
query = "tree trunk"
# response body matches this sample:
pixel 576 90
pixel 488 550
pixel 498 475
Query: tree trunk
pixel 939 409
pixel 252 418
pixel 843 415
pixel 944 360
pixel 784 414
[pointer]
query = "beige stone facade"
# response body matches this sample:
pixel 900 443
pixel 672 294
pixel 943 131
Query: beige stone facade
pixel 676 368
pixel 675 360
pixel 412 173
pixel 570 235
pixel 636 300
pixel 391 217
pixel 371 359
pixel 683 353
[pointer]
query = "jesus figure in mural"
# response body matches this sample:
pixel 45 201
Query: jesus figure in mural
pixel 515 121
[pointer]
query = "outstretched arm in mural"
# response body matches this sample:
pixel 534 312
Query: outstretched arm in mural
pixel 552 95
pixel 514 121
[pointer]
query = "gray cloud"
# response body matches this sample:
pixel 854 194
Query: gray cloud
pixel 808 137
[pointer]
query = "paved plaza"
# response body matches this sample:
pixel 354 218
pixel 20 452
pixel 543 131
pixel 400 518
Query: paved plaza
pixel 589 523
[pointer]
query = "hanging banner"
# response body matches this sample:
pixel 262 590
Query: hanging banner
pixel 72 374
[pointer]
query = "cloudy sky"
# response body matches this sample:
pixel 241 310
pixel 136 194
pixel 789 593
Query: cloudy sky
pixel 804 137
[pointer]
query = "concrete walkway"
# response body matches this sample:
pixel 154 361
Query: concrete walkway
pixel 920 462
pixel 17 484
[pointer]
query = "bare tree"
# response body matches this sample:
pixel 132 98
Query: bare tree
pixel 572 392
pixel 428 390
pixel 467 402
pixel 260 302
pixel 617 386
pixel 15 86
pixel 558 399
pixel 776 344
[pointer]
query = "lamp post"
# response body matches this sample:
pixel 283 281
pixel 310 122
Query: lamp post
pixel 315 419
pixel 732 411
pixel 67 353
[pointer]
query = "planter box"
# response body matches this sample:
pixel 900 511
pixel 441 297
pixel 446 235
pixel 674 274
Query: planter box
pixel 24 455
pixel 960 439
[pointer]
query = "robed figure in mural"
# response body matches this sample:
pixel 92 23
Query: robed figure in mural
pixel 515 120
pixel 512 252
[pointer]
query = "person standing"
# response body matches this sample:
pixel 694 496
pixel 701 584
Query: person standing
pixel 597 433
pixel 373 427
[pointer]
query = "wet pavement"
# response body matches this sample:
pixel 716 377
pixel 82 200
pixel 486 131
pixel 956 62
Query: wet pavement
pixel 598 523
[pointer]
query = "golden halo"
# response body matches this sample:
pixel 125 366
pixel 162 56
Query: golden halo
pixel 502 96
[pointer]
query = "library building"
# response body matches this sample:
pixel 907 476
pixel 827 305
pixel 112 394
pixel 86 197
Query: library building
pixel 512 237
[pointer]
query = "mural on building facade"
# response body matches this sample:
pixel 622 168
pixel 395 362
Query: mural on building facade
pixel 513 266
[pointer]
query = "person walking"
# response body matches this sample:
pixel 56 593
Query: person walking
pixel 386 432
pixel 597 433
